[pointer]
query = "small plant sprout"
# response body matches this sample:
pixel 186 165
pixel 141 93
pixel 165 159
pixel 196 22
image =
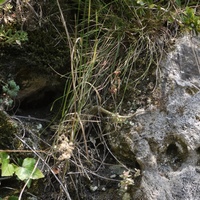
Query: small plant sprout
pixel 126 181
pixel 10 91
pixel 191 20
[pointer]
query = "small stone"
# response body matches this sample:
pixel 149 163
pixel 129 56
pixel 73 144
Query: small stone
pixel 93 188
pixel 113 176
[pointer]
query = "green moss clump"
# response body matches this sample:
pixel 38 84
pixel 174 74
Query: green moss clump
pixel 8 129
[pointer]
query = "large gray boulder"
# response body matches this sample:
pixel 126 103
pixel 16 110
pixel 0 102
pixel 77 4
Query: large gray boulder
pixel 164 142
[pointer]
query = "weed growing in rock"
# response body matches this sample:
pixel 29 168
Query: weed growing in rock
pixel 191 20
pixel 112 46
pixel 126 181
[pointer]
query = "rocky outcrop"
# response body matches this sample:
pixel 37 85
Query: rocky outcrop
pixel 164 142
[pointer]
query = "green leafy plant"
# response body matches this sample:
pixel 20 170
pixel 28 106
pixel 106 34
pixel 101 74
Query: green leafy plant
pixel 11 88
pixel 12 36
pixel 190 20
pixel 10 91
pixel 9 32
pixel 26 172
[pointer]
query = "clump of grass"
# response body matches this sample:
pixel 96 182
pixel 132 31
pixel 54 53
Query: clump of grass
pixel 109 41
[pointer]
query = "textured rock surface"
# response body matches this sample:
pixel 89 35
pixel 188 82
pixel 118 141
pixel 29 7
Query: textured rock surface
pixel 8 129
pixel 165 141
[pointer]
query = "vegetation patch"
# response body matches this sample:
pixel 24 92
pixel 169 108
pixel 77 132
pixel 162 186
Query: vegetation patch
pixel 108 55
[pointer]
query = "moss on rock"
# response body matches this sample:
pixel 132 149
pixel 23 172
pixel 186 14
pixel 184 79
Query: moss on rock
pixel 8 129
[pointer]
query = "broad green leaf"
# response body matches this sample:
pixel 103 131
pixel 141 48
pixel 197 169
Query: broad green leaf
pixel 28 171
pixel 24 173
pixel 29 163
pixel 7 169
pixel 37 174
pixel 4 156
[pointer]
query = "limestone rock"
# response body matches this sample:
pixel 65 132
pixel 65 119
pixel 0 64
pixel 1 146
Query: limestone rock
pixel 167 146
